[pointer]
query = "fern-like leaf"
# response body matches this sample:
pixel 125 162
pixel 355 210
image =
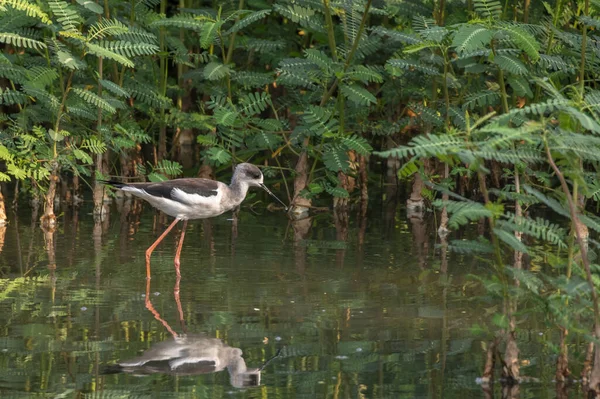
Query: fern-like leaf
pixel 471 37
pixel 215 71
pixel 66 15
pixel 520 86
pixel 106 28
pixel 129 49
pixel 255 103
pixel 402 37
pixel 183 21
pixel 394 65
pixel 94 145
pixel 510 64
pixel 358 94
pixel 208 33
pixel 100 51
pixel 91 6
pixel 469 247
pixel 524 41
pixel 95 100
pixel 248 20
pixel 20 41
pixel 424 146
pixel 364 74
pixel 32 10
pixel 463 212
pixel 488 8
pixel 218 156
pixel 336 160
pixel 114 88
pixel 320 120
pixel 358 144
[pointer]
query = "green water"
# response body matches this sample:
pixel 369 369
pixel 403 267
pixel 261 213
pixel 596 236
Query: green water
pixel 384 319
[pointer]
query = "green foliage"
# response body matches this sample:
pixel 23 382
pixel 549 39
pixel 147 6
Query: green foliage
pixel 470 38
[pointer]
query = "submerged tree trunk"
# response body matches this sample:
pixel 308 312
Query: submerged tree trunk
pixel 341 202
pixel 340 218
pixel 587 364
pixel 490 361
pixel 77 198
pixel 301 205
pixel 562 363
pixel 301 229
pixel 48 219
pixel 363 174
pixel 100 208
pixel 420 238
pixel 511 357
pixel 416 202
pixel 443 229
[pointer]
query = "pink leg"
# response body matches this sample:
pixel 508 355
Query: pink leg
pixel 153 246
pixel 179 246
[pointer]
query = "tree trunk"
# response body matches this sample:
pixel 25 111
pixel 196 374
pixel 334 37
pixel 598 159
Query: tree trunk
pixel 490 361
pixel 526 11
pixel 363 174
pixel 301 205
pixel 420 238
pixel 3 218
pixel 77 198
pixel 562 363
pixel 443 229
pixel 340 219
pixel 587 364
pixel 511 357
pixel 100 208
pixel 185 146
pixel 416 202
pixel 301 229
pixel 594 385
pixel 339 202
pixel 65 191
pixel 48 219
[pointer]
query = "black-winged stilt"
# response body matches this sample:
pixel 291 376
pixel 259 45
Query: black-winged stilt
pixel 192 355
pixel 194 198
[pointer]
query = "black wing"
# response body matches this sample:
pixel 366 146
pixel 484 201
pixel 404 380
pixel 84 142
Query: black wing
pixel 203 187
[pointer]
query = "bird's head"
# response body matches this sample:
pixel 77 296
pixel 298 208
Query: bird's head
pixel 249 174
pixel 252 176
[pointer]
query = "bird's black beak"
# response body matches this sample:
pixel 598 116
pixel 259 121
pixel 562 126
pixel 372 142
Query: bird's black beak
pixel 273 195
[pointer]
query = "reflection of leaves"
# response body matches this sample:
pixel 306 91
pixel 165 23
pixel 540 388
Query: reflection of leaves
pixel 220 319
pixel 86 296
pixel 324 244
pixel 24 286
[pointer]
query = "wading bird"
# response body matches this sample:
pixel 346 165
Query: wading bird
pixel 194 198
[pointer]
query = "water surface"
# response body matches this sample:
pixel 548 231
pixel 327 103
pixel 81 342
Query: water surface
pixel 376 315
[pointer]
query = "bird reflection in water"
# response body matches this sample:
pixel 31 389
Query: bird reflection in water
pixel 192 355
pixel 189 354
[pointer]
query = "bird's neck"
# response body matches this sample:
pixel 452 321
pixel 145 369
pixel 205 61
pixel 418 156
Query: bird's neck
pixel 238 191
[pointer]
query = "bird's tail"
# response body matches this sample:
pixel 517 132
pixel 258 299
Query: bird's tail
pixel 112 183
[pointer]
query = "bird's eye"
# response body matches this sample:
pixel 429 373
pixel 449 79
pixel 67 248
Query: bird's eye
pixel 254 174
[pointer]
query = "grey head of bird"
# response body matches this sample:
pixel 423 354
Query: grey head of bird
pixel 249 174
pixel 246 173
